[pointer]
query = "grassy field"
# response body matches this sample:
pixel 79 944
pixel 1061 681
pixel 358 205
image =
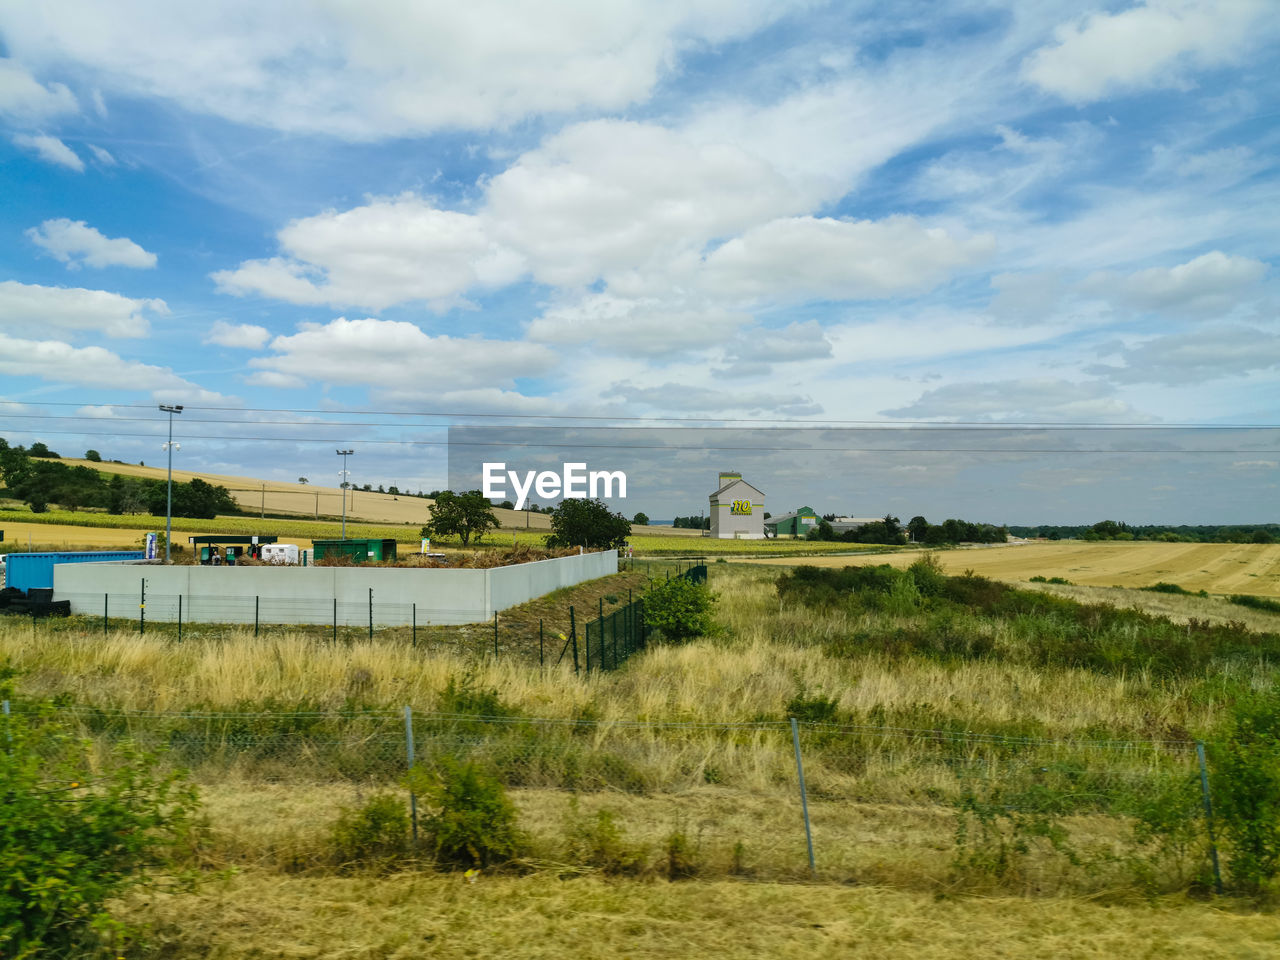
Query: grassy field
pixel 1215 567
pixel 686 740
pixel 261 914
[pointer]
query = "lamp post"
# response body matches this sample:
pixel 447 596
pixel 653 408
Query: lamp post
pixel 168 506
pixel 344 454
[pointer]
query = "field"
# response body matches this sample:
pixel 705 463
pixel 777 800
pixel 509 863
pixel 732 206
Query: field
pixel 314 500
pixel 690 742
pixel 1222 568
pixel 64 527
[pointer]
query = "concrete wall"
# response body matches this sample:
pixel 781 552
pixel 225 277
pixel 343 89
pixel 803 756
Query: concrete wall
pixel 280 594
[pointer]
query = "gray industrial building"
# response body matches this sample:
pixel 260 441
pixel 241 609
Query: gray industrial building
pixel 737 509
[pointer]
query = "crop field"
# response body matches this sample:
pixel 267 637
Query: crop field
pixel 1214 567
pixel 315 500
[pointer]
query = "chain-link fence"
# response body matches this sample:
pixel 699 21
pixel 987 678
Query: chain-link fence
pixel 766 799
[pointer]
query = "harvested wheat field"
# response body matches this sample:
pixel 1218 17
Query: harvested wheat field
pixel 313 500
pixel 1214 567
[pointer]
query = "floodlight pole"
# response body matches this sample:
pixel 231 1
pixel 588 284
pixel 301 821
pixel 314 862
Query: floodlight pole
pixel 344 454
pixel 168 507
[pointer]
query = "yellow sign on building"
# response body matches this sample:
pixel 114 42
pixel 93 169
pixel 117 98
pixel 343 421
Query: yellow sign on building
pixel 741 508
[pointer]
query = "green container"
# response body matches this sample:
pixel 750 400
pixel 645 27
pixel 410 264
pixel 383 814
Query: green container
pixel 360 551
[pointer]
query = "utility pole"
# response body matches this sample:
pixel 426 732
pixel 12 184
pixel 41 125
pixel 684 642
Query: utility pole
pixel 344 454
pixel 168 509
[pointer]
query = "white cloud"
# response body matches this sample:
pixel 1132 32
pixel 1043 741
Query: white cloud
pixel 391 355
pixel 102 156
pixel 1153 44
pixel 690 399
pixel 244 336
pixel 58 362
pixel 29 307
pixel 1206 354
pixel 608 198
pixel 386 252
pixel 804 258
pixel 76 244
pixel 1210 284
pixel 25 100
pixel 644 327
pixel 398 67
pixel 753 352
pixel 51 150
pixel 1026 399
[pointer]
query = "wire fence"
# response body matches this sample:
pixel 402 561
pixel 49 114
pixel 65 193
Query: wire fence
pixel 771 798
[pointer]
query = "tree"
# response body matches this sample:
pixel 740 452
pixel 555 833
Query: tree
pixel 38 449
pixel 641 519
pixel 680 609
pixel 93 456
pixel 464 515
pixel 588 523
pixel 302 480
pixel 918 526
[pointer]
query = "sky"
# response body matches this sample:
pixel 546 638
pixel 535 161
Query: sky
pixel 329 224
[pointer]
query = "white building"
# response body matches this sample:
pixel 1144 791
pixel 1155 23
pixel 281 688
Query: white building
pixel 737 509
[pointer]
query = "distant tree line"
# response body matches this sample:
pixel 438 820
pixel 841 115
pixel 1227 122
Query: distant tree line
pixel 890 531
pixel 693 523
pixel 34 478
pixel 1119 530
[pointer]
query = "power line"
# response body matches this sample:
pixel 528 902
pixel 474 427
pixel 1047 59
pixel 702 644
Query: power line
pixel 675 449
pixel 454 415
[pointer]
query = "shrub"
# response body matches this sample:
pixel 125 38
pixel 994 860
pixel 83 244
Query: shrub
pixel 1245 780
pixel 1256 603
pixel 471 822
pixel 813 709
pixel 680 609
pixel 373 834
pixel 599 842
pixel 76 833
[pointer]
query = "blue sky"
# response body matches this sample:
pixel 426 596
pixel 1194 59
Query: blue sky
pixel 986 212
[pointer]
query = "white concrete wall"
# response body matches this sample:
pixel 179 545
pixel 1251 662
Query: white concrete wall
pixel 281 594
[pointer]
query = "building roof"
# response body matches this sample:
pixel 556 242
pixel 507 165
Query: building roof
pixel 802 512
pixel 734 482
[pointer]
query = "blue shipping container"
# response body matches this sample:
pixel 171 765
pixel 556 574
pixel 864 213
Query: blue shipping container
pixel 35 570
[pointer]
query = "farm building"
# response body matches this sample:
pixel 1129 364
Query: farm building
pixel 737 509
pixel 796 524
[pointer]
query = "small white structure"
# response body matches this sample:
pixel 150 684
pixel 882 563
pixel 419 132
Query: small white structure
pixel 737 509
pixel 286 553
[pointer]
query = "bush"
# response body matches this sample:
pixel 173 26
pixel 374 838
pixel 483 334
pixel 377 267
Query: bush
pixel 1245 780
pixel 1256 603
pixel 599 842
pixel 471 822
pixel 77 832
pixel 680 609
pixel 374 834
pixel 588 523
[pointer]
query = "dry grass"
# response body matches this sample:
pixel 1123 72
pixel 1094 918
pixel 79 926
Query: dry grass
pixel 261 914
pixel 1215 567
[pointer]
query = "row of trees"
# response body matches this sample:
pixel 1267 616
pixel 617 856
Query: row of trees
pixel 1119 530
pixel 574 523
pixel 34 478
pixel 890 531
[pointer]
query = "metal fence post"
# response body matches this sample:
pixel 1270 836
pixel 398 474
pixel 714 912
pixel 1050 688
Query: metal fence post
pixel 414 615
pixel 804 800
pixel 413 799
pixel 540 656
pixel 255 616
pixel 179 618
pixel 371 613
pixel 142 608
pixel 495 634
pixel 573 638
pixel 106 600
pixel 1208 815
pixel 335 619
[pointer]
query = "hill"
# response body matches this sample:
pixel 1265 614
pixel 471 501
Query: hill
pixel 314 501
